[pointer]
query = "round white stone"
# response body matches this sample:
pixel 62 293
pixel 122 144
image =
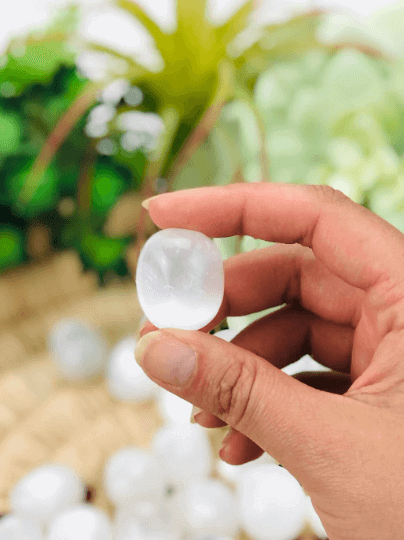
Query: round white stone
pixel 129 525
pixel 173 408
pixel 16 527
pixel 180 279
pixel 82 522
pixel 209 507
pixel 185 452
pixel 79 351
pixel 46 491
pixel 132 474
pixel 314 520
pixel 136 512
pixel 271 503
pixel 126 380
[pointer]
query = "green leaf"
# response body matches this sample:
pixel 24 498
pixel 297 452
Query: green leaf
pixel 227 246
pixel 44 196
pixel 10 133
pixel 108 186
pixel 235 24
pixel 136 71
pixel 102 252
pixel 279 42
pixel 163 40
pixel 11 247
pixel 195 37
pixel 39 56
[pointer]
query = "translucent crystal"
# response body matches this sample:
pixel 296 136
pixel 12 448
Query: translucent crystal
pixel 126 381
pixel 45 491
pixel 133 475
pixel 271 503
pixel 314 520
pixel 209 507
pixel 131 523
pixel 82 522
pixel 180 279
pixel 184 451
pixel 16 527
pixel 78 351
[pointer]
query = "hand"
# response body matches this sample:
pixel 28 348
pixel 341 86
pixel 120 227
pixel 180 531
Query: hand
pixel 340 270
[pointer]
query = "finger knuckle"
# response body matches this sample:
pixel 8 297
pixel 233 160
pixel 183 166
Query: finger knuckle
pixel 327 194
pixel 234 391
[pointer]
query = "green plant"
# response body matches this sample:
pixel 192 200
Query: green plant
pixel 217 128
pixel 203 70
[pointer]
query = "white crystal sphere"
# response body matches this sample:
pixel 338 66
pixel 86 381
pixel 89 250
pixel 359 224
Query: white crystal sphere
pixel 126 380
pixel 314 520
pixel 16 527
pixel 45 491
pixel 78 350
pixel 136 512
pixel 82 522
pixel 209 507
pixel 173 408
pixel 184 450
pixel 271 503
pixel 132 474
pixel 129 526
pixel 180 279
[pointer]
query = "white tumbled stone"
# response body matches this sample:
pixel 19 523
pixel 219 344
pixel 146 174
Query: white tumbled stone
pixel 79 351
pixel 133 475
pixel 271 503
pixel 16 527
pixel 180 279
pixel 81 522
pixel 126 380
pixel 45 491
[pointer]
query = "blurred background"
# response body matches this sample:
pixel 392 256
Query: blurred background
pixel 105 103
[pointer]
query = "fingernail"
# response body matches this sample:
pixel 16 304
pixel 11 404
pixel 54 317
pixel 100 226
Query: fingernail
pixel 143 327
pixel 195 410
pixel 146 202
pixel 226 439
pixel 166 359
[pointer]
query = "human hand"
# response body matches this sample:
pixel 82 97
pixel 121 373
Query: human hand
pixel 340 270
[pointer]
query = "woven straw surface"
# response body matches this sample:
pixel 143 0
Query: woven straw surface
pixel 44 418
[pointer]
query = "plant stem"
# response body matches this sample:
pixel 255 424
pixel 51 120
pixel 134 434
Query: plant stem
pixel 56 138
pixel 197 137
pixel 85 181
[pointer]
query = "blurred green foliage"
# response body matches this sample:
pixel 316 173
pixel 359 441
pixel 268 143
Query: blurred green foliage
pixel 281 107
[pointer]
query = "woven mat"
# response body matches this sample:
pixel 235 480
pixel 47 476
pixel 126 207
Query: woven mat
pixel 45 419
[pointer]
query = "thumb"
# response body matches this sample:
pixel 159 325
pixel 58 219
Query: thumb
pixel 296 424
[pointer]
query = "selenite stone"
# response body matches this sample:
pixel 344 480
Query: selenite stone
pixel 180 279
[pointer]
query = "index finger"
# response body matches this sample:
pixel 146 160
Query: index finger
pixel 357 245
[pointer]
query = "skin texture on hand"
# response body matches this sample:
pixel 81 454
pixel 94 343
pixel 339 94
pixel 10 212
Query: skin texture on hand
pixel 339 268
